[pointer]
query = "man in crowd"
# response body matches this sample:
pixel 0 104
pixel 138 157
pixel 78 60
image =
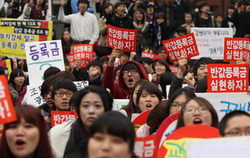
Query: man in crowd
pixel 84 25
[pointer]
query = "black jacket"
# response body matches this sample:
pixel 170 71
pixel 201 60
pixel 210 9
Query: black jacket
pixel 174 15
pixel 200 22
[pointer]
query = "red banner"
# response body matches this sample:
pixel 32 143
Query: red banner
pixel 228 77
pixel 71 60
pixel 59 117
pixel 181 46
pixel 146 147
pixel 146 54
pixel 7 111
pixel 235 48
pixel 122 38
pixel 174 69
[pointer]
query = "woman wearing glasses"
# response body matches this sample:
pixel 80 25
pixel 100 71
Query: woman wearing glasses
pixel 197 111
pixel 163 110
pixel 70 139
pixel 130 73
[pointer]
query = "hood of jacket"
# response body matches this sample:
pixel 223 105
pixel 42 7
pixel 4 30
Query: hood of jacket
pixel 121 83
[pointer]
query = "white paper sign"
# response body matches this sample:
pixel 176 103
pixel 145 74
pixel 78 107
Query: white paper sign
pixel 42 55
pixel 33 95
pixel 119 103
pixel 218 148
pixel 210 41
pixel 1 3
pixel 168 88
pixel 81 84
pixel 223 103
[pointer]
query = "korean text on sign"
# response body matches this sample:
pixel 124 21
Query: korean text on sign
pixel 15 32
pixel 7 111
pixel 174 69
pixel 146 54
pixel 181 46
pixel 59 117
pixel 235 48
pixel 146 147
pixel 122 38
pixel 83 51
pixel 228 77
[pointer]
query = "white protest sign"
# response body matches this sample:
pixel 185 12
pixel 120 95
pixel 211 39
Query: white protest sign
pixel 1 4
pixel 168 88
pixel 81 84
pixel 42 55
pixel 210 41
pixel 33 95
pixel 218 147
pixel 119 103
pixel 223 103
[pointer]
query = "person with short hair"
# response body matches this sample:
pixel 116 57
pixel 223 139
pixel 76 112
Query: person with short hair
pixel 108 127
pixel 120 18
pixel 235 123
pixel 84 25
pixel 61 93
pixel 46 88
pixel 70 139
pixel 203 18
pixel 197 110
pixel 92 73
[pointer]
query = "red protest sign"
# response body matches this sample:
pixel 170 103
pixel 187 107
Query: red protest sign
pixel 71 60
pixel 122 38
pixel 174 69
pixel 228 77
pixel 235 48
pixel 181 46
pixel 146 147
pixel 166 128
pixel 146 54
pixel 7 111
pixel 141 119
pixel 59 117
pixel 83 51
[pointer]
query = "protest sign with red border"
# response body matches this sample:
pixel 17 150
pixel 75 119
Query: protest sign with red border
pixel 228 78
pixel 122 38
pixel 7 111
pixel 141 119
pixel 147 54
pixel 59 117
pixel 181 46
pixel 71 60
pixel 85 52
pixel 174 69
pixel 235 48
pixel 166 128
pixel 146 147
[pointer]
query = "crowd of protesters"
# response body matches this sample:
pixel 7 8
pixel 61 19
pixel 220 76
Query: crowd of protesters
pixel 98 131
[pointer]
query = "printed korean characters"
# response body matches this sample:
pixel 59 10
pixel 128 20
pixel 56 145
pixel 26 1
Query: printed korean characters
pixel 228 77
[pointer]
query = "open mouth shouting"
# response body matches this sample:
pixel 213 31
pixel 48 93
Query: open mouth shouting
pixel 197 121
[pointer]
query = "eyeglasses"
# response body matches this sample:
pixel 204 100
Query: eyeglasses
pixel 202 110
pixel 237 132
pixel 61 94
pixel 175 105
pixel 126 72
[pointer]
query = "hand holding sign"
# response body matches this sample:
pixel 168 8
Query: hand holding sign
pixel 116 53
